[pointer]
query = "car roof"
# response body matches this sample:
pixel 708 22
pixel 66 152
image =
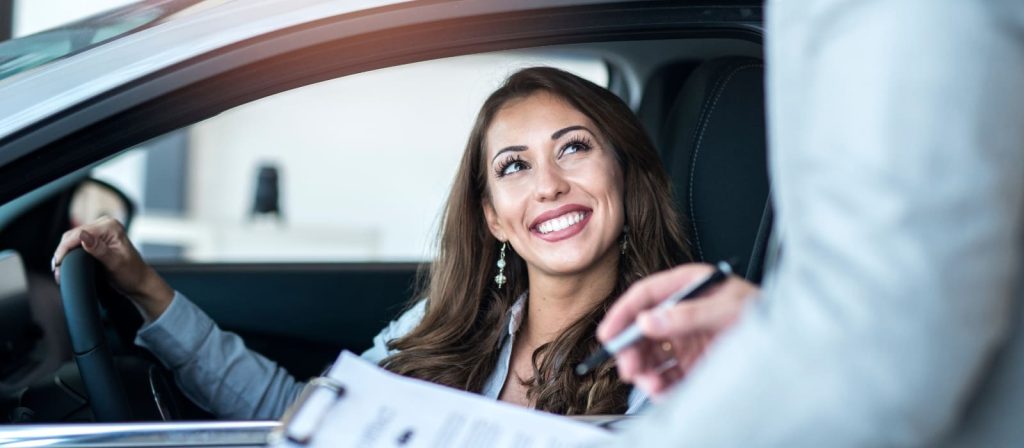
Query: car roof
pixel 35 94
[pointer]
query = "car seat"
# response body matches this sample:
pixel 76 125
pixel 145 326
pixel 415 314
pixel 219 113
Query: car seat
pixel 714 147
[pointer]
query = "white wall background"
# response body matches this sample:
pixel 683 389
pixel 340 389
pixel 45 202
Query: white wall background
pixel 366 161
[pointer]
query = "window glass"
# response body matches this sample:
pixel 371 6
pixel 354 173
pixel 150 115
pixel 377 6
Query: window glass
pixel 353 169
pixel 31 51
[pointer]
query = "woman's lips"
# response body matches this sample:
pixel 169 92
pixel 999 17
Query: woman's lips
pixel 568 231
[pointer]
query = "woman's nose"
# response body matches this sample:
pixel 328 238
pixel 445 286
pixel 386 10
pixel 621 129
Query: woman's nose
pixel 551 184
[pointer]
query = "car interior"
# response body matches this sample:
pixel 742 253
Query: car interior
pixel 701 99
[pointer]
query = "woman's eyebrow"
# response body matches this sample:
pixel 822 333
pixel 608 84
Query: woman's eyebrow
pixel 559 133
pixel 510 148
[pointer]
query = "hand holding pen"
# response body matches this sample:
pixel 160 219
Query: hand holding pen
pixel 670 331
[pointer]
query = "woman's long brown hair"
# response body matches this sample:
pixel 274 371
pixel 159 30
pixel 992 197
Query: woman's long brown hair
pixel 458 341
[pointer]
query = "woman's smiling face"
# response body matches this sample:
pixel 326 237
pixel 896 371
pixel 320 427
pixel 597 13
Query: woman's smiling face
pixel 555 187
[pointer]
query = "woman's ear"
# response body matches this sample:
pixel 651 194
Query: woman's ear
pixel 492 221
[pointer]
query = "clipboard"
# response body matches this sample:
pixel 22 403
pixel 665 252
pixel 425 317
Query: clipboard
pixel 300 431
pixel 357 403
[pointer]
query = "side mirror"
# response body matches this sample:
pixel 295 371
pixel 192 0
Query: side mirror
pixel 93 199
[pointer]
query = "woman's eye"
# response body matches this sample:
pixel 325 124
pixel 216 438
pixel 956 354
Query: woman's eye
pixel 574 146
pixel 511 166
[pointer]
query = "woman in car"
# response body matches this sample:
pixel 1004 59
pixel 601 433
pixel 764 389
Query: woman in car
pixel 559 204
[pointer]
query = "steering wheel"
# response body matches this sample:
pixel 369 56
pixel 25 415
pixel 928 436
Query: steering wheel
pixel 95 362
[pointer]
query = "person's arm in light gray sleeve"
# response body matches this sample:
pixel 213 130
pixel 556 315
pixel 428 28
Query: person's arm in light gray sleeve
pixel 396 329
pixel 214 368
pixel 898 162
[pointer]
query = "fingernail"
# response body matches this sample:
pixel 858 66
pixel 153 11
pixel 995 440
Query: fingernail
pixel 653 321
pixel 53 264
pixel 88 239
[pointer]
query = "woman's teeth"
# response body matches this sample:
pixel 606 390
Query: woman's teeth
pixel 561 222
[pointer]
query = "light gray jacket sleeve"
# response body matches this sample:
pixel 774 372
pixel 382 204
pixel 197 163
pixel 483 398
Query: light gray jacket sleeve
pixel 898 162
pixel 217 372
pixel 214 368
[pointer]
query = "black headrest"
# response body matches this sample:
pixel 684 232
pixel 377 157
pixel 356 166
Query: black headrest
pixel 715 149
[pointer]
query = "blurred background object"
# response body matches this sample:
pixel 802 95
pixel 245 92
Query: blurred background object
pixel 268 200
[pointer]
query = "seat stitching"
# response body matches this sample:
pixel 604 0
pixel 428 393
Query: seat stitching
pixel 704 107
pixel 679 105
pixel 700 139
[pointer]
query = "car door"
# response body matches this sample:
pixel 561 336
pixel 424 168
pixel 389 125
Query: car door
pixel 319 275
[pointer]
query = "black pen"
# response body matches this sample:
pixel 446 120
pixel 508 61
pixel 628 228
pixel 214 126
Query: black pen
pixel 632 334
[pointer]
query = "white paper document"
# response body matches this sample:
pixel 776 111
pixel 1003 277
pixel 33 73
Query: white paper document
pixel 375 408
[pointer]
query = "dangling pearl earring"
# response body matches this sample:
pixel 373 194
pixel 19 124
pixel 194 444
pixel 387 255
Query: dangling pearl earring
pixel 500 278
pixel 624 244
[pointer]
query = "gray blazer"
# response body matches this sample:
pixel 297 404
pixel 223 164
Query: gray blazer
pixel 894 317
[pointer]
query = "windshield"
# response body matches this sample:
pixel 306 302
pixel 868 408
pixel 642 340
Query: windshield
pixel 37 49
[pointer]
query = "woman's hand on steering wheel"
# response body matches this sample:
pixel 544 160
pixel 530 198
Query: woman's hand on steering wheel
pixel 106 240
